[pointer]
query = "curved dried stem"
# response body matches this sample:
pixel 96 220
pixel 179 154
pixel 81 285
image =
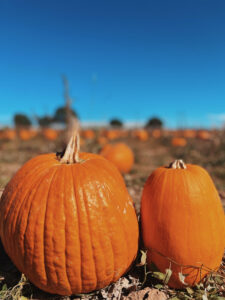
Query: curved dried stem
pixel 71 154
pixel 178 164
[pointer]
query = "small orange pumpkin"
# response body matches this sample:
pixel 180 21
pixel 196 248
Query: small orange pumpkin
pixel 24 134
pixel 141 134
pixel 112 134
pixel 88 134
pixel 120 154
pixel 8 134
pixel 204 135
pixel 156 133
pixel 178 142
pixel 189 133
pixel 50 134
pixel 68 222
pixel 183 225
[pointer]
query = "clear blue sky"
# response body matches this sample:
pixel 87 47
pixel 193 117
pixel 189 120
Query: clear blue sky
pixel 125 59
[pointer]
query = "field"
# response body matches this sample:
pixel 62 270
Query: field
pixel 208 153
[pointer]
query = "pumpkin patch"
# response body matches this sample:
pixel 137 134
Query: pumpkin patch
pixel 68 223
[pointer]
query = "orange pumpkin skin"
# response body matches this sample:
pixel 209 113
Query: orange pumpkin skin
pixel 189 133
pixel 8 134
pixel 70 228
pixel 178 142
pixel 24 134
pixel 183 219
pixel 120 155
pixel 88 134
pixel 204 135
pixel 141 134
pixel 112 134
pixel 156 133
pixel 50 134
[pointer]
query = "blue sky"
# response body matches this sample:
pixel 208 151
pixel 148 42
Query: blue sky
pixel 126 59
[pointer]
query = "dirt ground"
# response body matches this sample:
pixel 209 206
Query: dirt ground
pixel 149 155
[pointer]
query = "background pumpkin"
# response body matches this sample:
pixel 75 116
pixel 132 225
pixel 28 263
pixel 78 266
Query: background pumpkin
pixel 112 134
pixel 156 133
pixel 204 135
pixel 141 134
pixel 50 134
pixel 120 155
pixel 189 133
pixel 182 219
pixel 24 134
pixel 88 134
pixel 8 134
pixel 178 142
pixel 68 223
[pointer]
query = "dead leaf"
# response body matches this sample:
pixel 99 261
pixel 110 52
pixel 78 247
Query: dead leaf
pixel 182 278
pixel 143 259
pixel 168 275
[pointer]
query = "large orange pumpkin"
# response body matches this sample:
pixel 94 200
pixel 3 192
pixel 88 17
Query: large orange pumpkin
pixel 68 222
pixel 120 155
pixel 183 223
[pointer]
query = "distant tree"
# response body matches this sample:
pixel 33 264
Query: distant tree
pixel 116 123
pixel 60 115
pixel 44 121
pixel 154 123
pixel 21 120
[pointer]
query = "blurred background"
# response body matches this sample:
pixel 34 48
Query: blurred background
pixel 150 74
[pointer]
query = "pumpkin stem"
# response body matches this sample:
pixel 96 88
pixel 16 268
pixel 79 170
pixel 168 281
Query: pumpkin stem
pixel 71 154
pixel 178 164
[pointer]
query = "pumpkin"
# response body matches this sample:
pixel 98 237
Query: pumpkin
pixel 50 134
pixel 183 225
pixel 112 134
pixel 189 133
pixel 8 134
pixel 88 134
pixel 24 134
pixel 68 223
pixel 204 135
pixel 120 155
pixel 141 134
pixel 178 142
pixel 156 133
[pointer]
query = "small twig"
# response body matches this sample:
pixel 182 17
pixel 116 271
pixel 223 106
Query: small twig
pixel 201 267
